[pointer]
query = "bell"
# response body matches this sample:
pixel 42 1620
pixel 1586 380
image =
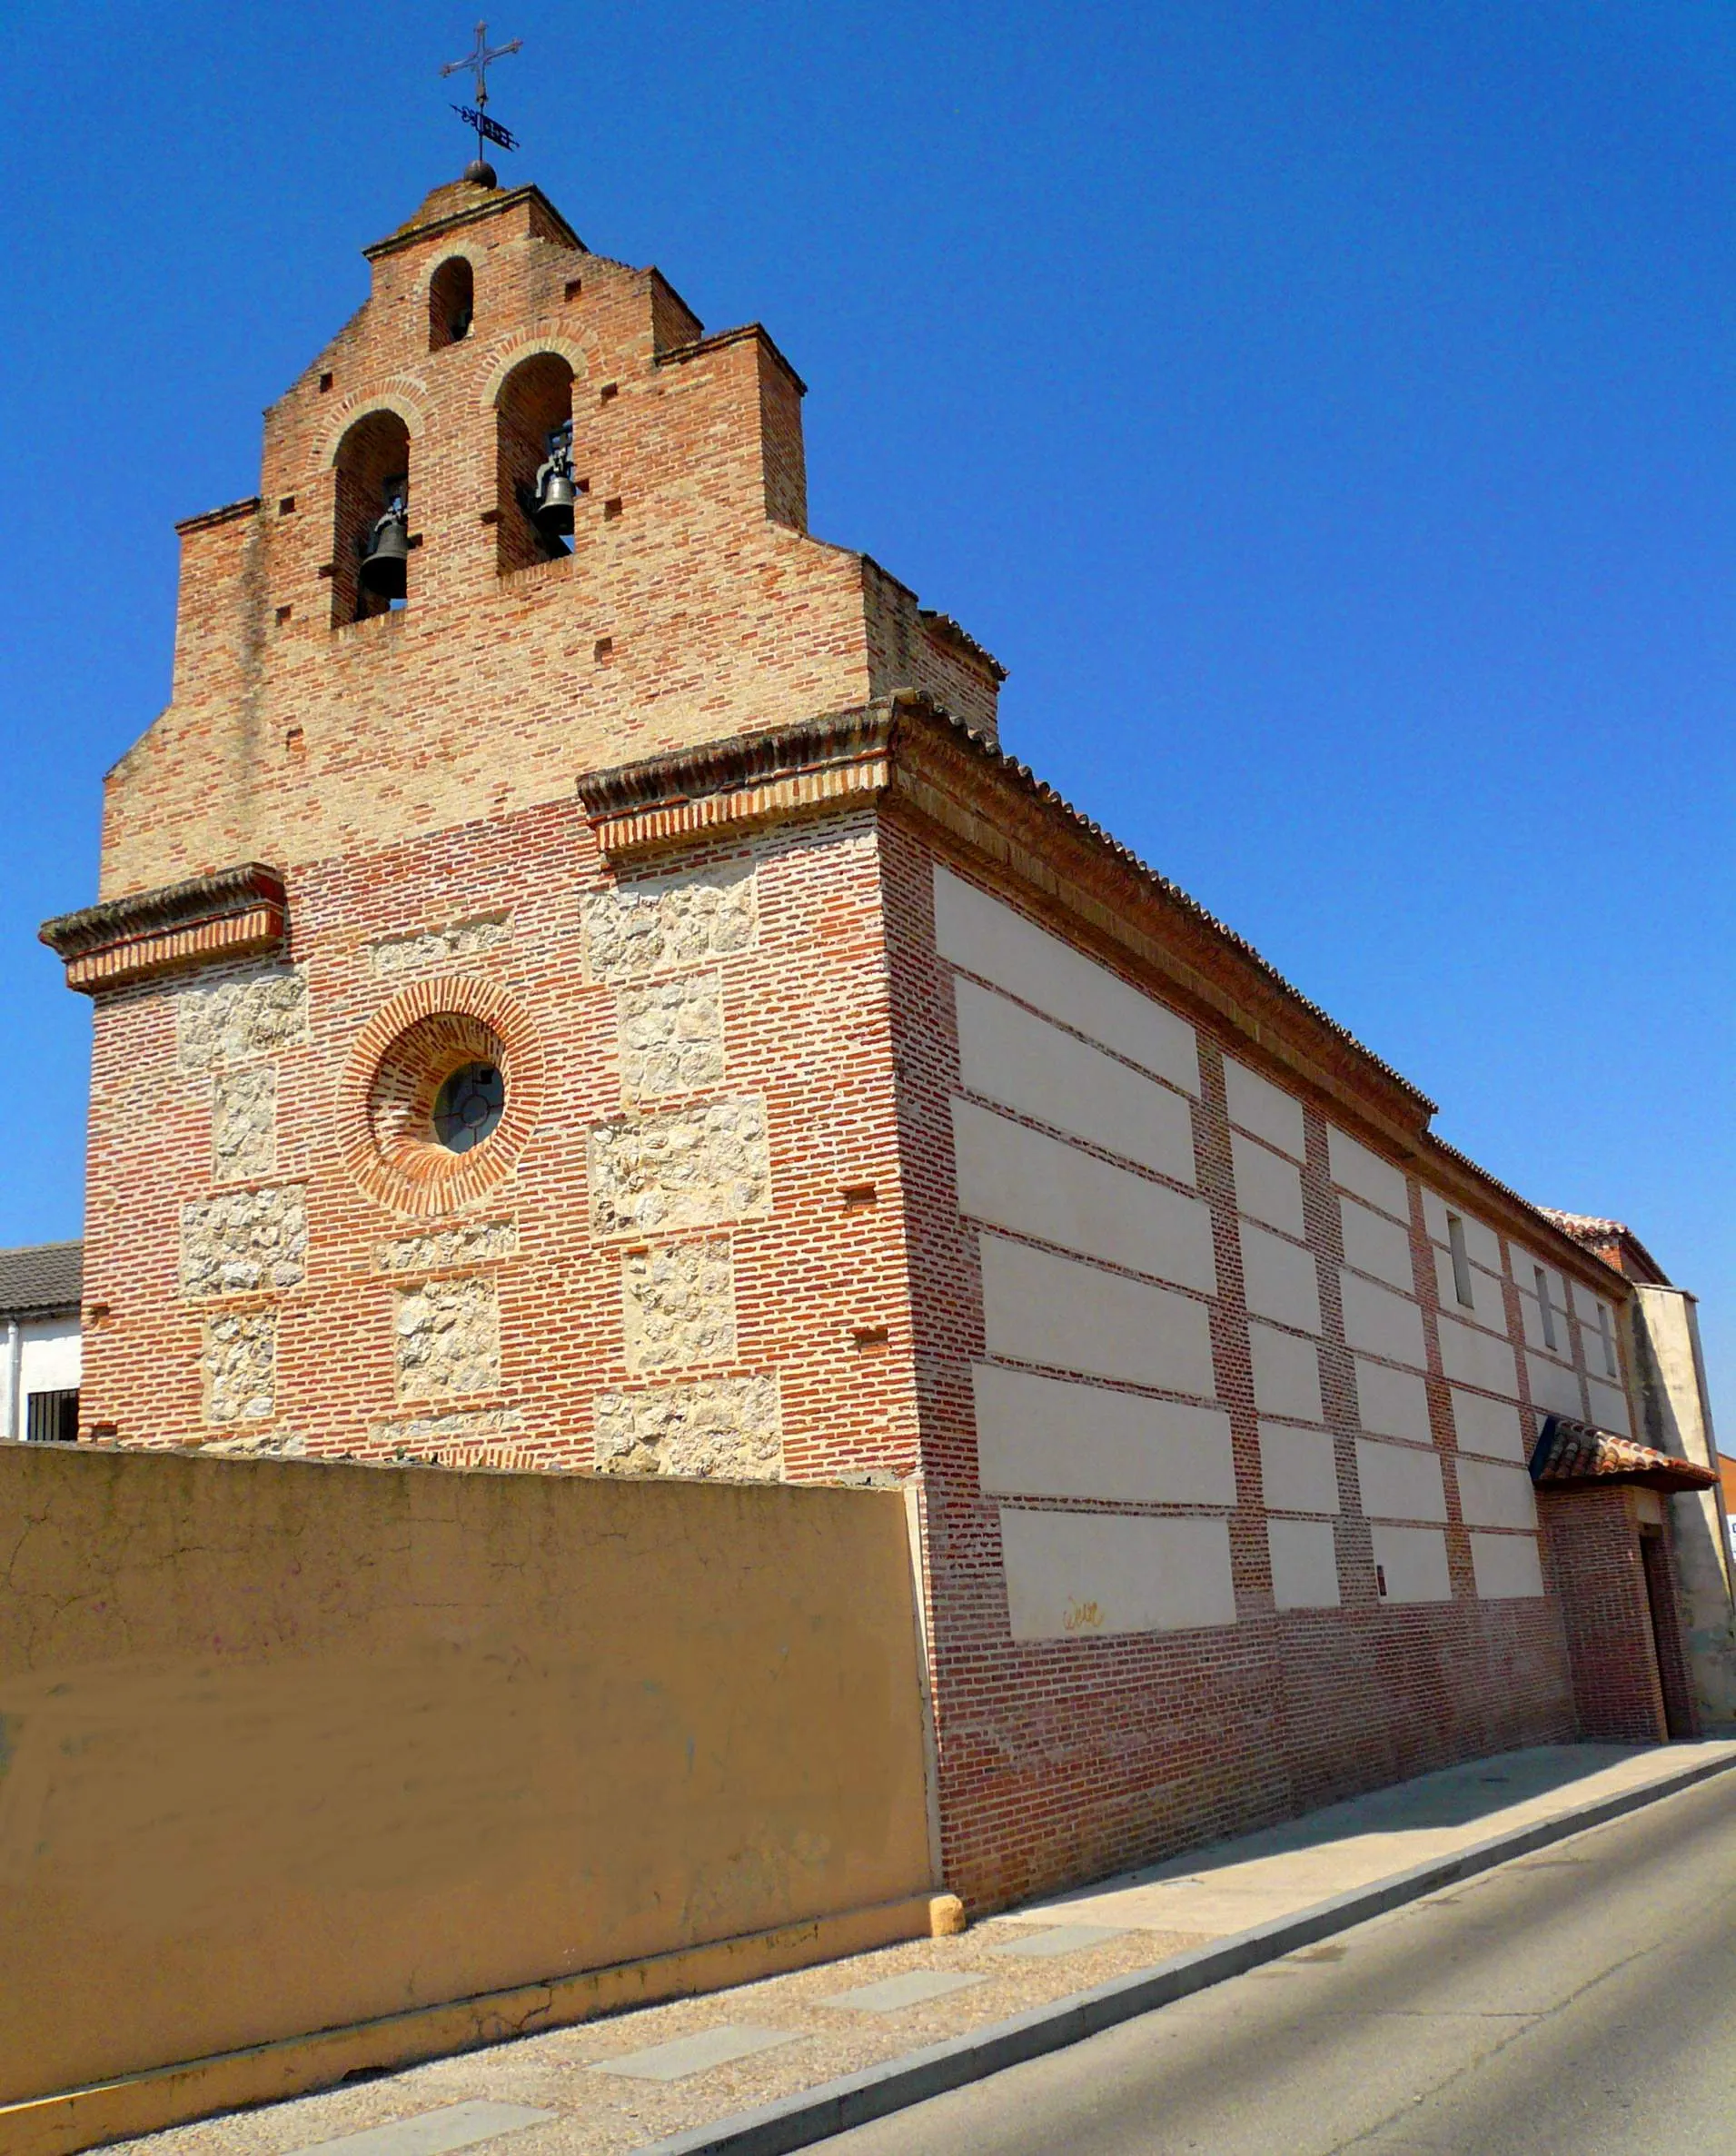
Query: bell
pixel 387 558
pixel 555 497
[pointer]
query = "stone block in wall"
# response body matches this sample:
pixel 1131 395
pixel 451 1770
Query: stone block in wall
pixel 239 1366
pixel 447 1336
pixel 442 1249
pixel 724 1429
pixel 661 923
pixel 244 1243
pixel 678 1305
pixel 241 1018
pixel 694 1167
pixel 672 1035
pixel 442 1436
pixel 393 956
pixel 244 1124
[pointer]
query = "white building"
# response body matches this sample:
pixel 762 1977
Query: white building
pixel 39 1311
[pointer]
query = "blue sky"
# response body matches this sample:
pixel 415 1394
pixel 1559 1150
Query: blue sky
pixel 1324 410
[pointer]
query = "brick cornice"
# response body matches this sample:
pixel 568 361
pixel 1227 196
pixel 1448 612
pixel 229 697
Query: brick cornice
pixel 239 913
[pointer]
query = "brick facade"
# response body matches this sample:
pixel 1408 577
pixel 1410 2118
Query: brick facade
pixel 660 830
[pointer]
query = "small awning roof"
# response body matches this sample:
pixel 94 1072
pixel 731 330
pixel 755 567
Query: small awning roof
pixel 1573 1455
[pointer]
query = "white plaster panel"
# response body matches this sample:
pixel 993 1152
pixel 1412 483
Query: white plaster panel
pixel 1050 1438
pixel 1007 1054
pixel 1373 1243
pixel 50 1355
pixel 1267 1186
pixel 1355 1168
pixel 1506 1566
pixel 1472 1357
pixel 1532 1320
pixel 1586 1305
pixel 1073 1575
pixel 1413 1562
pixel 1256 1105
pixel 1014 1176
pixel 1287 1375
pixel 987 937
pixel 1491 1495
pixel 1598 1355
pixel 1304 1563
pixel 1486 1306
pixel 1278 1278
pixel 1380 1321
pixel 1609 1408
pixel 1398 1483
pixel 1486 1425
pixel 1552 1387
pixel 1297 1469
pixel 1039 1307
pixel 1394 1403
pixel 1482 1245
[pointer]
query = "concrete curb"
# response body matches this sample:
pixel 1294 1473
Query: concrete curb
pixel 816 2114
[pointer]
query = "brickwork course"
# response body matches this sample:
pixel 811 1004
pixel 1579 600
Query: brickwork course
pixel 1214 1372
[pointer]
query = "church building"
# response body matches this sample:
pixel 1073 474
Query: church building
pixel 580 987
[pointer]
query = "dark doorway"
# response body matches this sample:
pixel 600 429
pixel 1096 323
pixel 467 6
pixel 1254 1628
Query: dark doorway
pixel 1666 1635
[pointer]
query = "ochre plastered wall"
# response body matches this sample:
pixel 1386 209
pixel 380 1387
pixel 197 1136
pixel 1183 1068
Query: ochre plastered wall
pixel 288 1746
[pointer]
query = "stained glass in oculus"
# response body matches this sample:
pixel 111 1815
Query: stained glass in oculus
pixel 468 1107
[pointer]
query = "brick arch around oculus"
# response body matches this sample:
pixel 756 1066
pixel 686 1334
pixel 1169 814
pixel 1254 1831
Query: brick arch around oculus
pixel 401 1059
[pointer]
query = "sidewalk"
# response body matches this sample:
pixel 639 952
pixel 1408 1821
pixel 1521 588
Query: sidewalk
pixel 804 2053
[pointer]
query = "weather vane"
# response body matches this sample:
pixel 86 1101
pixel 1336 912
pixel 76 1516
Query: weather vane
pixel 478 63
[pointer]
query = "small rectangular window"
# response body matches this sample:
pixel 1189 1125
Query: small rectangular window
pixel 1461 1262
pixel 52 1418
pixel 1542 1304
pixel 1609 1343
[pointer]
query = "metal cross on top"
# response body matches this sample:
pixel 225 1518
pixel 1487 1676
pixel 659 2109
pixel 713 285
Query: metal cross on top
pixel 478 63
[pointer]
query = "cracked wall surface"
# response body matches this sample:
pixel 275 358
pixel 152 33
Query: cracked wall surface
pixel 240 1019
pixel 244 1243
pixel 694 1167
pixel 724 1428
pixel 662 923
pixel 678 1305
pixel 447 1336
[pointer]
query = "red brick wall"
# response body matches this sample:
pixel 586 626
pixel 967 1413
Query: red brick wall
pixel 1592 1560
pixel 804 1026
pixel 1064 1759
pixel 290 740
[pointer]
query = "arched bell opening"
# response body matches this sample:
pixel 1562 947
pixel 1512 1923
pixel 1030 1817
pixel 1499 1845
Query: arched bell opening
pixel 452 302
pixel 371 543
pixel 539 484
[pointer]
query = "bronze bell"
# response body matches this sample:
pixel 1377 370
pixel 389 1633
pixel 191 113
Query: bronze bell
pixel 555 497
pixel 387 557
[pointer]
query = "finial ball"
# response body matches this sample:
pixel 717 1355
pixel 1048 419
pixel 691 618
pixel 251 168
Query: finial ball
pixel 481 175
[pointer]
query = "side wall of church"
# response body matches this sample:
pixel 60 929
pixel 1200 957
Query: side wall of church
pixel 1224 1447
pixel 688 1255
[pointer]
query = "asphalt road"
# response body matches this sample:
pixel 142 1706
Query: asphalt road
pixel 1581 2000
